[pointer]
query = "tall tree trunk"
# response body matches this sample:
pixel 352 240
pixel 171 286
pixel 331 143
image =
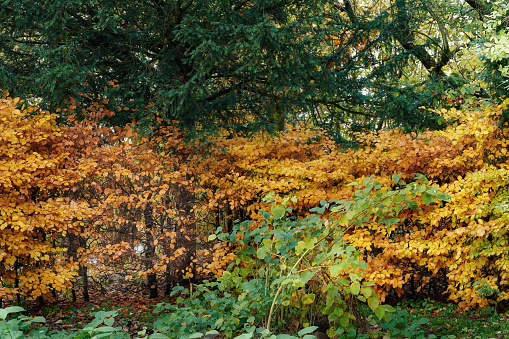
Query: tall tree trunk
pixel 72 252
pixel 83 271
pixel 150 251
pixel 16 282
pixel 185 238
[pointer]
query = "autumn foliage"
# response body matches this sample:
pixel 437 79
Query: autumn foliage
pixel 145 206
pixel 37 165
pixel 441 249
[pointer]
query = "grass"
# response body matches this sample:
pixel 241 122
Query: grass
pixel 446 321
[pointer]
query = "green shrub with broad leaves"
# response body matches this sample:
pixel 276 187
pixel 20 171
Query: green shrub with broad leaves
pixel 22 326
pixel 296 270
pixel 289 271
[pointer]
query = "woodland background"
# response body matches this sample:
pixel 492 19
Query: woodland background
pixel 360 147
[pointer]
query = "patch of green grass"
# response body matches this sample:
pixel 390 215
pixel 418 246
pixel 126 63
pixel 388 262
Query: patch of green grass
pixel 447 321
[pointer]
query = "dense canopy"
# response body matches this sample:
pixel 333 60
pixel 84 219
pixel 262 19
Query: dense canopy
pixel 246 65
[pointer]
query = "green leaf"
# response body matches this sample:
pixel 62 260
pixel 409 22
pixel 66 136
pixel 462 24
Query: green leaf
pixel 262 253
pixel 395 178
pixel 13 309
pixel 307 276
pixel 420 321
pixel 379 312
pixel 264 250
pixel 363 265
pixel 281 336
pixel 307 330
pixel 319 210
pixel 344 320
pixel 343 281
pixel 337 249
pixel 109 321
pixel 105 329
pixel 426 198
pixel 355 288
pixel 195 335
pixel 367 292
pixel 343 221
pixel 39 320
pixel 308 299
pixel 387 202
pixel 336 269
pixel 301 247
pixel 398 198
pixel 373 302
pixel 389 308
pixel 412 205
pixel 444 197
pixel 278 212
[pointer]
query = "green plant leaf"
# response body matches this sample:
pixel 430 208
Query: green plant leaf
pixel 355 288
pixel 344 320
pixel 395 178
pixel 363 265
pixel 109 321
pixel 307 330
pixel 373 302
pixel 158 336
pixel 105 329
pixel 389 308
pixel 420 321
pixel 308 299
pixel 278 212
pixel 343 221
pixel 379 312
pixel 39 320
pixel 426 198
pixel 13 309
pixel 350 215
pixel 367 292
pixel 336 269
pixel 307 276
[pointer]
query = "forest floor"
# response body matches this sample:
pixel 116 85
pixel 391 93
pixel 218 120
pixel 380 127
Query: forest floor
pixel 135 314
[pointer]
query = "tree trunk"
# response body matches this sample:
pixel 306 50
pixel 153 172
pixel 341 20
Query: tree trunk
pixel 150 252
pixel 185 238
pixel 72 252
pixel 83 271
pixel 16 282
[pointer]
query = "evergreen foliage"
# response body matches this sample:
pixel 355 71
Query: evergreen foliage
pixel 246 65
